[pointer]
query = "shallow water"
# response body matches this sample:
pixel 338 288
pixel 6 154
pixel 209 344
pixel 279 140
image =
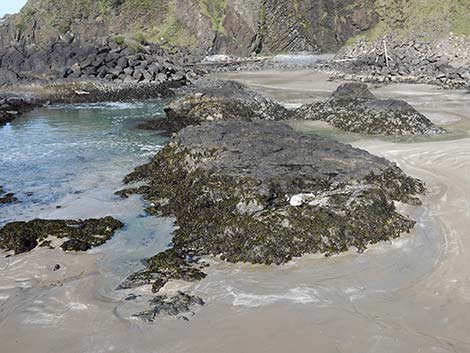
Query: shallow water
pixel 72 158
pixel 408 295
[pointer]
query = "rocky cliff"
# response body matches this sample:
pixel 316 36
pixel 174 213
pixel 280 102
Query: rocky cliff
pixel 415 41
pixel 215 26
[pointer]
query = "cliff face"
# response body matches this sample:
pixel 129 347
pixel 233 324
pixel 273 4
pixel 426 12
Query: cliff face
pixel 238 27
pixel 414 40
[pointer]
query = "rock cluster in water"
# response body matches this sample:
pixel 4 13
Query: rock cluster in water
pixel 213 100
pixel 80 235
pixel 260 192
pixel 354 108
pixel 163 267
pixel 6 198
pixel 180 305
pixel 12 105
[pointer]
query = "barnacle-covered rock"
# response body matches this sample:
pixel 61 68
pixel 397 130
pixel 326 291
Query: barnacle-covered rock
pixel 213 100
pixel 352 107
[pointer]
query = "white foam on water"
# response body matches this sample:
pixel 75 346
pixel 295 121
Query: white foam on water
pixel 299 295
pixel 302 58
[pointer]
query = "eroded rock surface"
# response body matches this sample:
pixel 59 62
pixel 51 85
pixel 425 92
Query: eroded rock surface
pixel 213 100
pixel 81 235
pixel 260 192
pixel 352 107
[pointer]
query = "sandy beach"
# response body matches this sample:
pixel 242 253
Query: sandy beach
pixel 409 295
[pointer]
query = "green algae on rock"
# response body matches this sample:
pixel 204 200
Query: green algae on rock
pixel 260 192
pixel 82 235
pixel 180 306
pixel 213 100
pixel 352 107
pixel 163 267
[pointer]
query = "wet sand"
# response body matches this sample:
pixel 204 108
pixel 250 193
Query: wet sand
pixel 409 295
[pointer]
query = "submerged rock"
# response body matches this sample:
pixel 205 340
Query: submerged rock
pixel 213 100
pixel 261 192
pixel 163 267
pixel 82 235
pixel 7 198
pixel 6 117
pixel 352 107
pixel 180 305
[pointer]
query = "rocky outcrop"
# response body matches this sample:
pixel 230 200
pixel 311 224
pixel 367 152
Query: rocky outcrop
pixel 413 41
pixel 6 117
pixel 239 27
pixel 260 192
pixel 12 105
pixel 6 198
pixel 79 235
pixel 121 63
pixel 106 59
pixel 354 108
pixel 392 59
pixel 213 100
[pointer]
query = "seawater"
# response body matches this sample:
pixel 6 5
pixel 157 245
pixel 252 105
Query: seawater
pixel 66 162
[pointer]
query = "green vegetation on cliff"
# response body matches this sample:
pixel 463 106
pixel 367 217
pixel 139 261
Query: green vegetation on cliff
pixel 231 26
pixel 429 19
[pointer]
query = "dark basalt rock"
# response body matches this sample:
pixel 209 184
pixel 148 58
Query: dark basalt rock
pixel 354 108
pixel 13 104
pixel 82 234
pixel 101 60
pixel 260 192
pixel 180 305
pixel 5 118
pixel 352 91
pixel 92 92
pixel 411 60
pixel 213 100
pixel 7 198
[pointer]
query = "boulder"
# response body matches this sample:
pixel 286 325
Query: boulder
pixel 6 117
pixel 352 107
pixel 81 235
pixel 8 198
pixel 213 100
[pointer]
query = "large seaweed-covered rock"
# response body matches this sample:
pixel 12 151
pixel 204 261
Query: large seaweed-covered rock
pixel 261 192
pixel 352 107
pixel 213 100
pixel 82 235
